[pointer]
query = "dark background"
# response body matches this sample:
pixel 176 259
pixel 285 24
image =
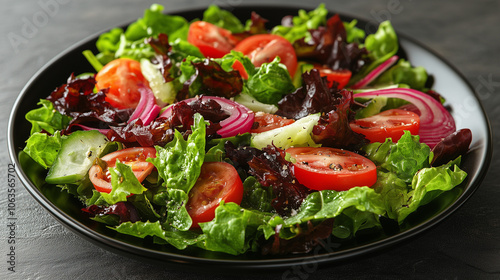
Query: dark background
pixel 464 246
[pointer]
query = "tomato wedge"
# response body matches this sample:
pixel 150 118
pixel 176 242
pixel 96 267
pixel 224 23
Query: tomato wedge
pixel 263 48
pixel 390 123
pixel 123 78
pixel 332 169
pixel 342 77
pixel 217 181
pixel 213 41
pixel 134 157
pixel 264 122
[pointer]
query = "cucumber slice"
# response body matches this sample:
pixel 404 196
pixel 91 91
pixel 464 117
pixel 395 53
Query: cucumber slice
pixel 297 134
pixel 78 153
pixel 253 104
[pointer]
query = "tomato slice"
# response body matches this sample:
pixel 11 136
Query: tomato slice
pixel 342 77
pixel 217 181
pixel 213 41
pixel 263 48
pixel 332 169
pixel 122 77
pixel 134 157
pixel 390 123
pixel 264 122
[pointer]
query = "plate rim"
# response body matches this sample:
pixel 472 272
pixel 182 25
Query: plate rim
pixel 125 248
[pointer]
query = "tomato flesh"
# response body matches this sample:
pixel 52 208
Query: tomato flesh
pixel 218 181
pixel 122 77
pixel 263 48
pixel 211 40
pixel 341 77
pixel 332 169
pixel 265 122
pixel 390 123
pixel 134 157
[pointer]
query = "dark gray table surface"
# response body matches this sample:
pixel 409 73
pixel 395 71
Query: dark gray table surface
pixel 464 246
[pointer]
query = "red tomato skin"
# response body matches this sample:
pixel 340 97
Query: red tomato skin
pixel 319 177
pixel 387 124
pixel 211 40
pixel 263 48
pixel 218 181
pixel 122 77
pixel 265 122
pixel 342 77
pixel 134 157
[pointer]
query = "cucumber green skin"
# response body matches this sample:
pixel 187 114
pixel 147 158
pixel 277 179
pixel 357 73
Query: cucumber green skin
pixel 78 153
pixel 297 134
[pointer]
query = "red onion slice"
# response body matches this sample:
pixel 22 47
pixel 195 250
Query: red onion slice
pixel 240 118
pixel 375 73
pixel 146 109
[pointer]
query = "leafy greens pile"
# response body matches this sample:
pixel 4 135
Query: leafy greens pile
pixel 277 215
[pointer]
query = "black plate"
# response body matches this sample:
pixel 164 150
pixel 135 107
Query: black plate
pixel 459 94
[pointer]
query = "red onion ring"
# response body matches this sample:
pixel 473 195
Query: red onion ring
pixel 240 118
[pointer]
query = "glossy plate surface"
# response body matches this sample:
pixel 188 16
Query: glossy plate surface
pixel 460 96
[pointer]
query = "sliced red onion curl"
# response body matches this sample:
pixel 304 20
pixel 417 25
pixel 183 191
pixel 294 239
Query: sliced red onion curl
pixel 146 109
pixel 240 118
pixel 375 73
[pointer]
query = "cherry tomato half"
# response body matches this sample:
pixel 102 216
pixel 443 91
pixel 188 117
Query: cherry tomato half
pixel 332 169
pixel 217 181
pixel 134 157
pixel 213 41
pixel 342 77
pixel 263 48
pixel 264 122
pixel 391 123
pixel 123 77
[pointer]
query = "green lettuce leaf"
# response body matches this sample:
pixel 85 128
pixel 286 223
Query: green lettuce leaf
pixel 136 50
pixel 109 41
pixel 123 182
pixel 354 34
pixel 327 204
pixel 429 183
pixel 302 23
pixel 179 239
pixel 46 118
pixel 381 45
pixel 404 158
pixel 43 148
pixel 404 73
pixel 144 207
pixel 182 49
pixel 267 84
pixel 401 199
pixel 155 22
pixel 235 230
pixel 394 191
pixel 256 196
pixel 227 61
pixel 223 18
pixel 179 165
pixel 271 82
pixel 130 43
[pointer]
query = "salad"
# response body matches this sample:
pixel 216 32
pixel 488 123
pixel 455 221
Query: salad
pixel 239 137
